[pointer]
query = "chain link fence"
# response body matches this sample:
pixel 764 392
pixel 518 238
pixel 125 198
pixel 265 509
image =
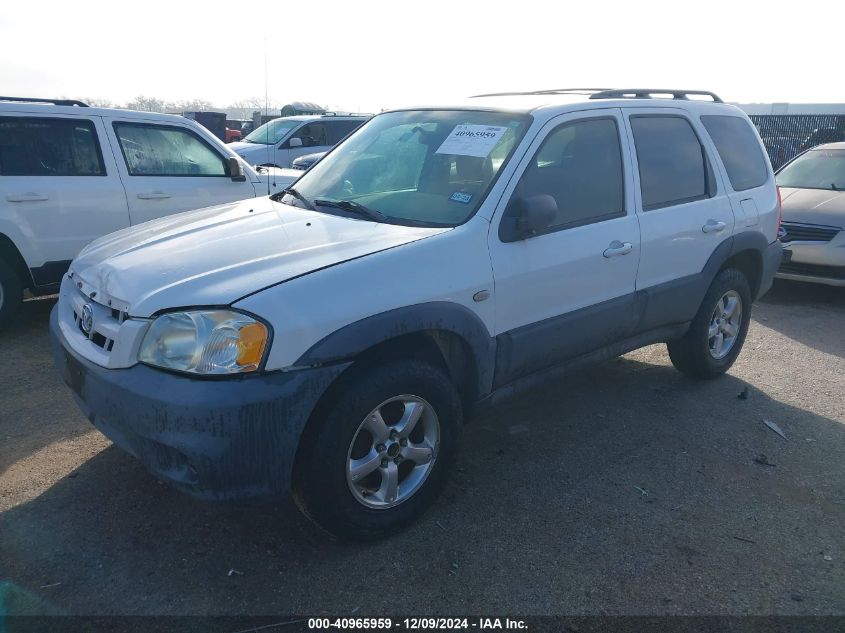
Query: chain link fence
pixel 787 135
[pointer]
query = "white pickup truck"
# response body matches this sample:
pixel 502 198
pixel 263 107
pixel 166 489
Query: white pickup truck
pixel 70 174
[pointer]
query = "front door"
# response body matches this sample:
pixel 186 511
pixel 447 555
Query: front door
pixel 167 168
pixel 569 289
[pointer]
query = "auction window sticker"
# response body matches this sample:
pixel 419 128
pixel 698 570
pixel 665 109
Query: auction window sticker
pixel 472 140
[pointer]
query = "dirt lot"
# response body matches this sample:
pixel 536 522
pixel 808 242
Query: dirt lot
pixel 627 489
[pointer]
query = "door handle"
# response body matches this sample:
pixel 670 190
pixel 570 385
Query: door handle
pixel 153 195
pixel 713 226
pixel 27 197
pixel 618 248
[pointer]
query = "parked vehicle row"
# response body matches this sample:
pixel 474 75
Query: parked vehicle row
pixel 69 174
pixel 330 341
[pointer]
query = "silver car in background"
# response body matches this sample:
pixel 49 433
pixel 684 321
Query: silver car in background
pixel 812 189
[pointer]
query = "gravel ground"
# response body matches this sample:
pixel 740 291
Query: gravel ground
pixel 625 489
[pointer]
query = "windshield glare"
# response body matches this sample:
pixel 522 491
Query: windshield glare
pixel 271 132
pixel 817 169
pixel 425 167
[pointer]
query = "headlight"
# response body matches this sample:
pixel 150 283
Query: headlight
pixel 208 342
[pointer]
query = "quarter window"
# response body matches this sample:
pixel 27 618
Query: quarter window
pixel 580 166
pixel 739 150
pixel 49 147
pixel 159 150
pixel 673 165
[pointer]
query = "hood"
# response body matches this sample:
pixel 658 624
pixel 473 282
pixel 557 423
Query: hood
pixel 813 206
pixel 253 153
pixel 217 255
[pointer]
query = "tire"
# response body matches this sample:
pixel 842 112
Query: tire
pixel 698 354
pixel 11 293
pixel 338 433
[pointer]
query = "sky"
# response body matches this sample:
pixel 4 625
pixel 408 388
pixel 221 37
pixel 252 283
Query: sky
pixel 367 55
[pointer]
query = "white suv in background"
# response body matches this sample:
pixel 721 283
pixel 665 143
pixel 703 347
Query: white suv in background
pixel 70 173
pixel 278 142
pixel 331 341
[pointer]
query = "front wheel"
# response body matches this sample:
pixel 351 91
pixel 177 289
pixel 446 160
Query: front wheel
pixel 715 337
pixel 380 450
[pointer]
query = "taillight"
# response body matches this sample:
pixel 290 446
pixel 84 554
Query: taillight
pixel 780 212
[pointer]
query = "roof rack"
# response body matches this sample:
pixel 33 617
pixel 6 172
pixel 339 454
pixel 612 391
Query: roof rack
pixel 332 113
pixel 59 102
pixel 554 91
pixel 649 93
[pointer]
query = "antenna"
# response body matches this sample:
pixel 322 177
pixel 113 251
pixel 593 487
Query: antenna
pixel 267 113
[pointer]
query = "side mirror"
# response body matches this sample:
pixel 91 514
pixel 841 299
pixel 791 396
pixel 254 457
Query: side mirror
pixel 295 142
pixel 236 170
pixel 527 217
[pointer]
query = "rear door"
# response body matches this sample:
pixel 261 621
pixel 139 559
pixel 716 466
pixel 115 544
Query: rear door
pixel 569 290
pixel 683 210
pixel 58 189
pixel 167 168
pixel 750 179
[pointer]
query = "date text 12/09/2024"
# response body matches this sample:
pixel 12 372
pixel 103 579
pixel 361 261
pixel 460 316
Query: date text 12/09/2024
pixel 413 624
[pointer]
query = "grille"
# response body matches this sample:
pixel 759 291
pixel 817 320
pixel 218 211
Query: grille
pixel 813 270
pixel 106 321
pixel 795 232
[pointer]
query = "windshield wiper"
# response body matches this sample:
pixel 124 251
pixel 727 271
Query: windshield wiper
pixel 834 187
pixel 353 207
pixel 290 191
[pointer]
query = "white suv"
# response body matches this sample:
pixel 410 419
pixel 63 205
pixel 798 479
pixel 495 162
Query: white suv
pixel 279 142
pixel 333 340
pixel 70 173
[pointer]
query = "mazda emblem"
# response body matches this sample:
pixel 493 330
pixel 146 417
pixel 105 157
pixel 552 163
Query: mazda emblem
pixel 86 321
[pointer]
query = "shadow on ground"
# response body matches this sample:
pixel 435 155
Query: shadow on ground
pixel 624 489
pixel 784 308
pixel 36 409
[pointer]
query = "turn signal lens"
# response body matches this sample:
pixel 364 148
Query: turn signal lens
pixel 253 337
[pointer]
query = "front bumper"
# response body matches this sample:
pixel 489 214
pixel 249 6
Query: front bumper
pixel 215 439
pixel 772 257
pixel 821 263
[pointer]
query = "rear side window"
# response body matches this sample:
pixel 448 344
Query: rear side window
pixel 159 150
pixel 739 150
pixel 49 147
pixel 673 165
pixel 580 166
pixel 338 130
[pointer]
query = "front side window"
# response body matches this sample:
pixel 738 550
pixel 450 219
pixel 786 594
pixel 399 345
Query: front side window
pixel 312 135
pixel 49 147
pixel 158 150
pixel 673 166
pixel 816 169
pixel 739 149
pixel 580 166
pixel 423 167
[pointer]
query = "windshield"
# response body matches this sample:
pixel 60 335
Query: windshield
pixel 817 169
pixel 271 132
pixel 424 167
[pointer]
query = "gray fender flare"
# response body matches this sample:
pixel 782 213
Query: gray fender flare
pixel 352 339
